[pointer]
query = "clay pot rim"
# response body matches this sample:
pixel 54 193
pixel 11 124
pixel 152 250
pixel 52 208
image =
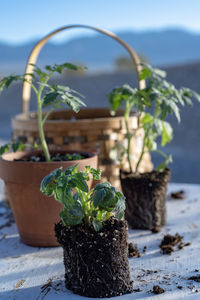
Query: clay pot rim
pixel 8 157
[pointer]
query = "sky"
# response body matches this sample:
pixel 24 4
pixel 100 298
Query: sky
pixel 22 20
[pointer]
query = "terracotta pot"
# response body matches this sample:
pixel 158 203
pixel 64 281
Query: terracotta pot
pixel 145 199
pixel 35 214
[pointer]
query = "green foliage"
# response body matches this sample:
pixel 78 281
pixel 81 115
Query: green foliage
pixel 48 96
pixel 93 207
pixel 17 146
pixel 153 104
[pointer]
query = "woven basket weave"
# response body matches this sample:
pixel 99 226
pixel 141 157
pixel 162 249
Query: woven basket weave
pixel 90 129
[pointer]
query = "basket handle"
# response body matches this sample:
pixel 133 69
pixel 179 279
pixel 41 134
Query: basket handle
pixel 26 91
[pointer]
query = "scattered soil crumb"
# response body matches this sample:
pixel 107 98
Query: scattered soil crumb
pixel 133 250
pixel 195 278
pixel 137 290
pixel 180 287
pixel 19 283
pixel 178 195
pixel 144 249
pixel 158 290
pixel 169 241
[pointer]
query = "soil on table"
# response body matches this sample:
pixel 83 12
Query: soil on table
pixel 96 263
pixel 133 250
pixel 55 157
pixel 158 290
pixel 145 199
pixel 195 278
pixel 178 195
pixel 169 241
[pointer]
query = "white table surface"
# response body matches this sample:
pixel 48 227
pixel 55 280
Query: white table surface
pixel 24 270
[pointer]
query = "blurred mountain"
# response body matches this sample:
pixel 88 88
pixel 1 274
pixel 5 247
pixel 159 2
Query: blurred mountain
pixel 98 52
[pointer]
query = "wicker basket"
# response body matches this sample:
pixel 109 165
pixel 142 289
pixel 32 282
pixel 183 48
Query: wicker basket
pixel 90 129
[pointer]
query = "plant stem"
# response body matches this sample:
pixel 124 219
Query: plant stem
pixel 127 113
pixel 143 150
pixel 141 156
pixel 41 129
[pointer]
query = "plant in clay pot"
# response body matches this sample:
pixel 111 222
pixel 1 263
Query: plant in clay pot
pixel 91 232
pixel 146 193
pixel 22 171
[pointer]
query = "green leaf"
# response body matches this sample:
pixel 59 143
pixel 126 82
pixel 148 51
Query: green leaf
pixel 105 199
pixel 102 185
pixel 5 148
pixel 147 118
pixel 97 225
pixel 71 170
pixel 98 196
pixel 50 98
pixel 78 181
pixel 145 73
pixel 165 163
pixel 17 146
pixel 96 173
pixel 120 207
pixel 72 216
pixel 167 133
pixel 46 186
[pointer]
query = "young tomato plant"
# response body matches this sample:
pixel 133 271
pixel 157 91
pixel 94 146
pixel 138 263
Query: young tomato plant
pixel 90 206
pixel 48 96
pixel 153 104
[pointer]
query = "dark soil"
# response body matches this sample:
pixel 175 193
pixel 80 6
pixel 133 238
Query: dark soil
pixel 158 290
pixel 145 199
pixel 137 290
pixel 133 250
pixel 56 157
pixel 96 263
pixel 169 241
pixel 178 195
pixel 180 287
pixel 195 278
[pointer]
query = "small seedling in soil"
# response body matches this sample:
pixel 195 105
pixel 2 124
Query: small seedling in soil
pixel 93 207
pixel 153 104
pixel 48 97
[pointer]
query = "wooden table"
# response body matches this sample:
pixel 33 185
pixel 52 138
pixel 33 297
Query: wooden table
pixel 28 273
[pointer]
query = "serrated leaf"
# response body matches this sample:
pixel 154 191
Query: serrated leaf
pixel 78 181
pixel 50 98
pixel 167 133
pixel 96 173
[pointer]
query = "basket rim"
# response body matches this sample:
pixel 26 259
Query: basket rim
pixel 31 116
